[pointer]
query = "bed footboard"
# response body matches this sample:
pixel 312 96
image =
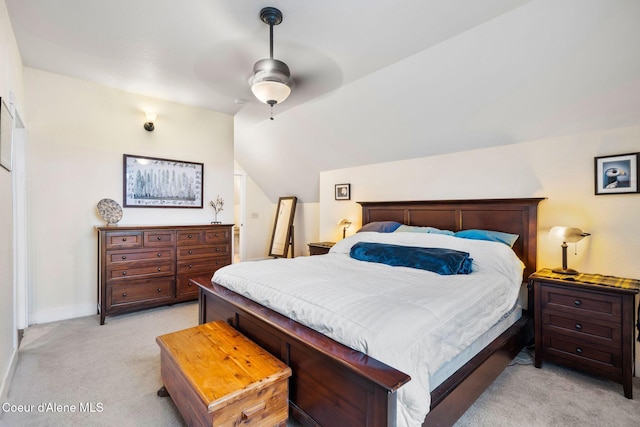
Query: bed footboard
pixel 332 385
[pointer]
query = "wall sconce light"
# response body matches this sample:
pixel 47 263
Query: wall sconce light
pixel 344 223
pixel 151 118
pixel 571 235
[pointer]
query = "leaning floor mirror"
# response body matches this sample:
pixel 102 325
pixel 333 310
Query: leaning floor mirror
pixel 282 236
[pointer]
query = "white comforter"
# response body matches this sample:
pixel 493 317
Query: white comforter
pixel 413 320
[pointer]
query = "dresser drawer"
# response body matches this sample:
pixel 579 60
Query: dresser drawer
pixel 202 251
pixel 583 327
pixel 589 304
pixel 185 288
pixel 218 236
pixel 123 239
pixel 138 255
pixel 159 238
pixel 140 269
pixel 191 237
pixel 206 265
pixel 137 291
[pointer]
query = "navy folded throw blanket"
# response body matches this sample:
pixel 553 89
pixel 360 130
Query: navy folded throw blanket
pixel 439 260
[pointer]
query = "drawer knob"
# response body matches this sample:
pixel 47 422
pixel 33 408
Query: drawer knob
pixel 159 254
pixel 190 265
pixel 124 294
pixel 217 262
pixel 124 239
pixel 216 234
pixel 124 273
pixel 190 251
pixel 189 284
pixel 159 238
pixel 217 249
pixel 579 350
pixel 578 326
pixel 159 268
pixel 124 257
pixel 577 302
pixel 159 289
pixel 189 236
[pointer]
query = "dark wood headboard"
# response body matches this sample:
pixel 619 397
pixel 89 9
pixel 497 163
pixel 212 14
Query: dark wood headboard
pixel 515 216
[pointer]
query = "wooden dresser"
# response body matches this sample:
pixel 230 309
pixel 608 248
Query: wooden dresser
pixel 586 322
pixel 149 266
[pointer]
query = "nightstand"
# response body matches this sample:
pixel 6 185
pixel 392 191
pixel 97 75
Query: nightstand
pixel 320 248
pixel 586 321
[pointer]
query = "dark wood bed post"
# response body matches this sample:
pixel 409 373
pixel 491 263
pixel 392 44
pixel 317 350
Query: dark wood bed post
pixel 333 385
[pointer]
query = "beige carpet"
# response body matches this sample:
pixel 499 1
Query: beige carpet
pixel 114 371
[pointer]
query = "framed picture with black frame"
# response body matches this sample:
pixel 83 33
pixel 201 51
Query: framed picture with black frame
pixel 616 174
pixel 151 182
pixel 343 192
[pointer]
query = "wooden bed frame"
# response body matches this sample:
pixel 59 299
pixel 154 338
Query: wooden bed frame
pixel 333 385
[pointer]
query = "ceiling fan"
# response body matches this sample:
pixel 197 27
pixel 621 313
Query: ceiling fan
pixel 271 79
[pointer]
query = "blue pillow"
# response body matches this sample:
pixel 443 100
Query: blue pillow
pixel 381 226
pixel 415 229
pixel 492 236
pixel 439 260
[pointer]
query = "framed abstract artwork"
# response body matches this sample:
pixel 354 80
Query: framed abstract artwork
pixel 617 174
pixel 150 182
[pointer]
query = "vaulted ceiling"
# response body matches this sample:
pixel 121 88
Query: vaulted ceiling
pixel 374 81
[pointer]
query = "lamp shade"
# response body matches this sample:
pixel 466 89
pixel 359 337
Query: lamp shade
pixel 344 222
pixel 568 234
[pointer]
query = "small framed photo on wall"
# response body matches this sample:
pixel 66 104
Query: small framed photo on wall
pixel 617 174
pixel 343 191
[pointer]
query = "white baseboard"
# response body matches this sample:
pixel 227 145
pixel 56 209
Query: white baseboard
pixel 8 375
pixel 62 313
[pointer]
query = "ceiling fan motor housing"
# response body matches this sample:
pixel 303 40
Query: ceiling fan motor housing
pixel 270 70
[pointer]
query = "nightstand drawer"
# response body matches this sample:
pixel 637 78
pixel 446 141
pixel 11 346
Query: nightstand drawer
pixel 582 327
pixel 596 305
pixel 581 353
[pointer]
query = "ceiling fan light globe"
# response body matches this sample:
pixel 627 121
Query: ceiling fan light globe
pixel 271 92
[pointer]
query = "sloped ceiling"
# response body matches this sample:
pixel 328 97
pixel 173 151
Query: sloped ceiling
pixel 374 81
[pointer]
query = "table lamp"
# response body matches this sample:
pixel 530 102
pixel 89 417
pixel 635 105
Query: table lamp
pixel 344 223
pixel 570 235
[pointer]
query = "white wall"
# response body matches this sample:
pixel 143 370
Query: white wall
pixel 560 169
pixel 261 213
pixel 78 132
pixel 11 82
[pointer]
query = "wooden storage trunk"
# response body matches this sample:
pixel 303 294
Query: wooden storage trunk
pixel 218 377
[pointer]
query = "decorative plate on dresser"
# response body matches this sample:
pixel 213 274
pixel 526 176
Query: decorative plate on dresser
pixel 110 211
